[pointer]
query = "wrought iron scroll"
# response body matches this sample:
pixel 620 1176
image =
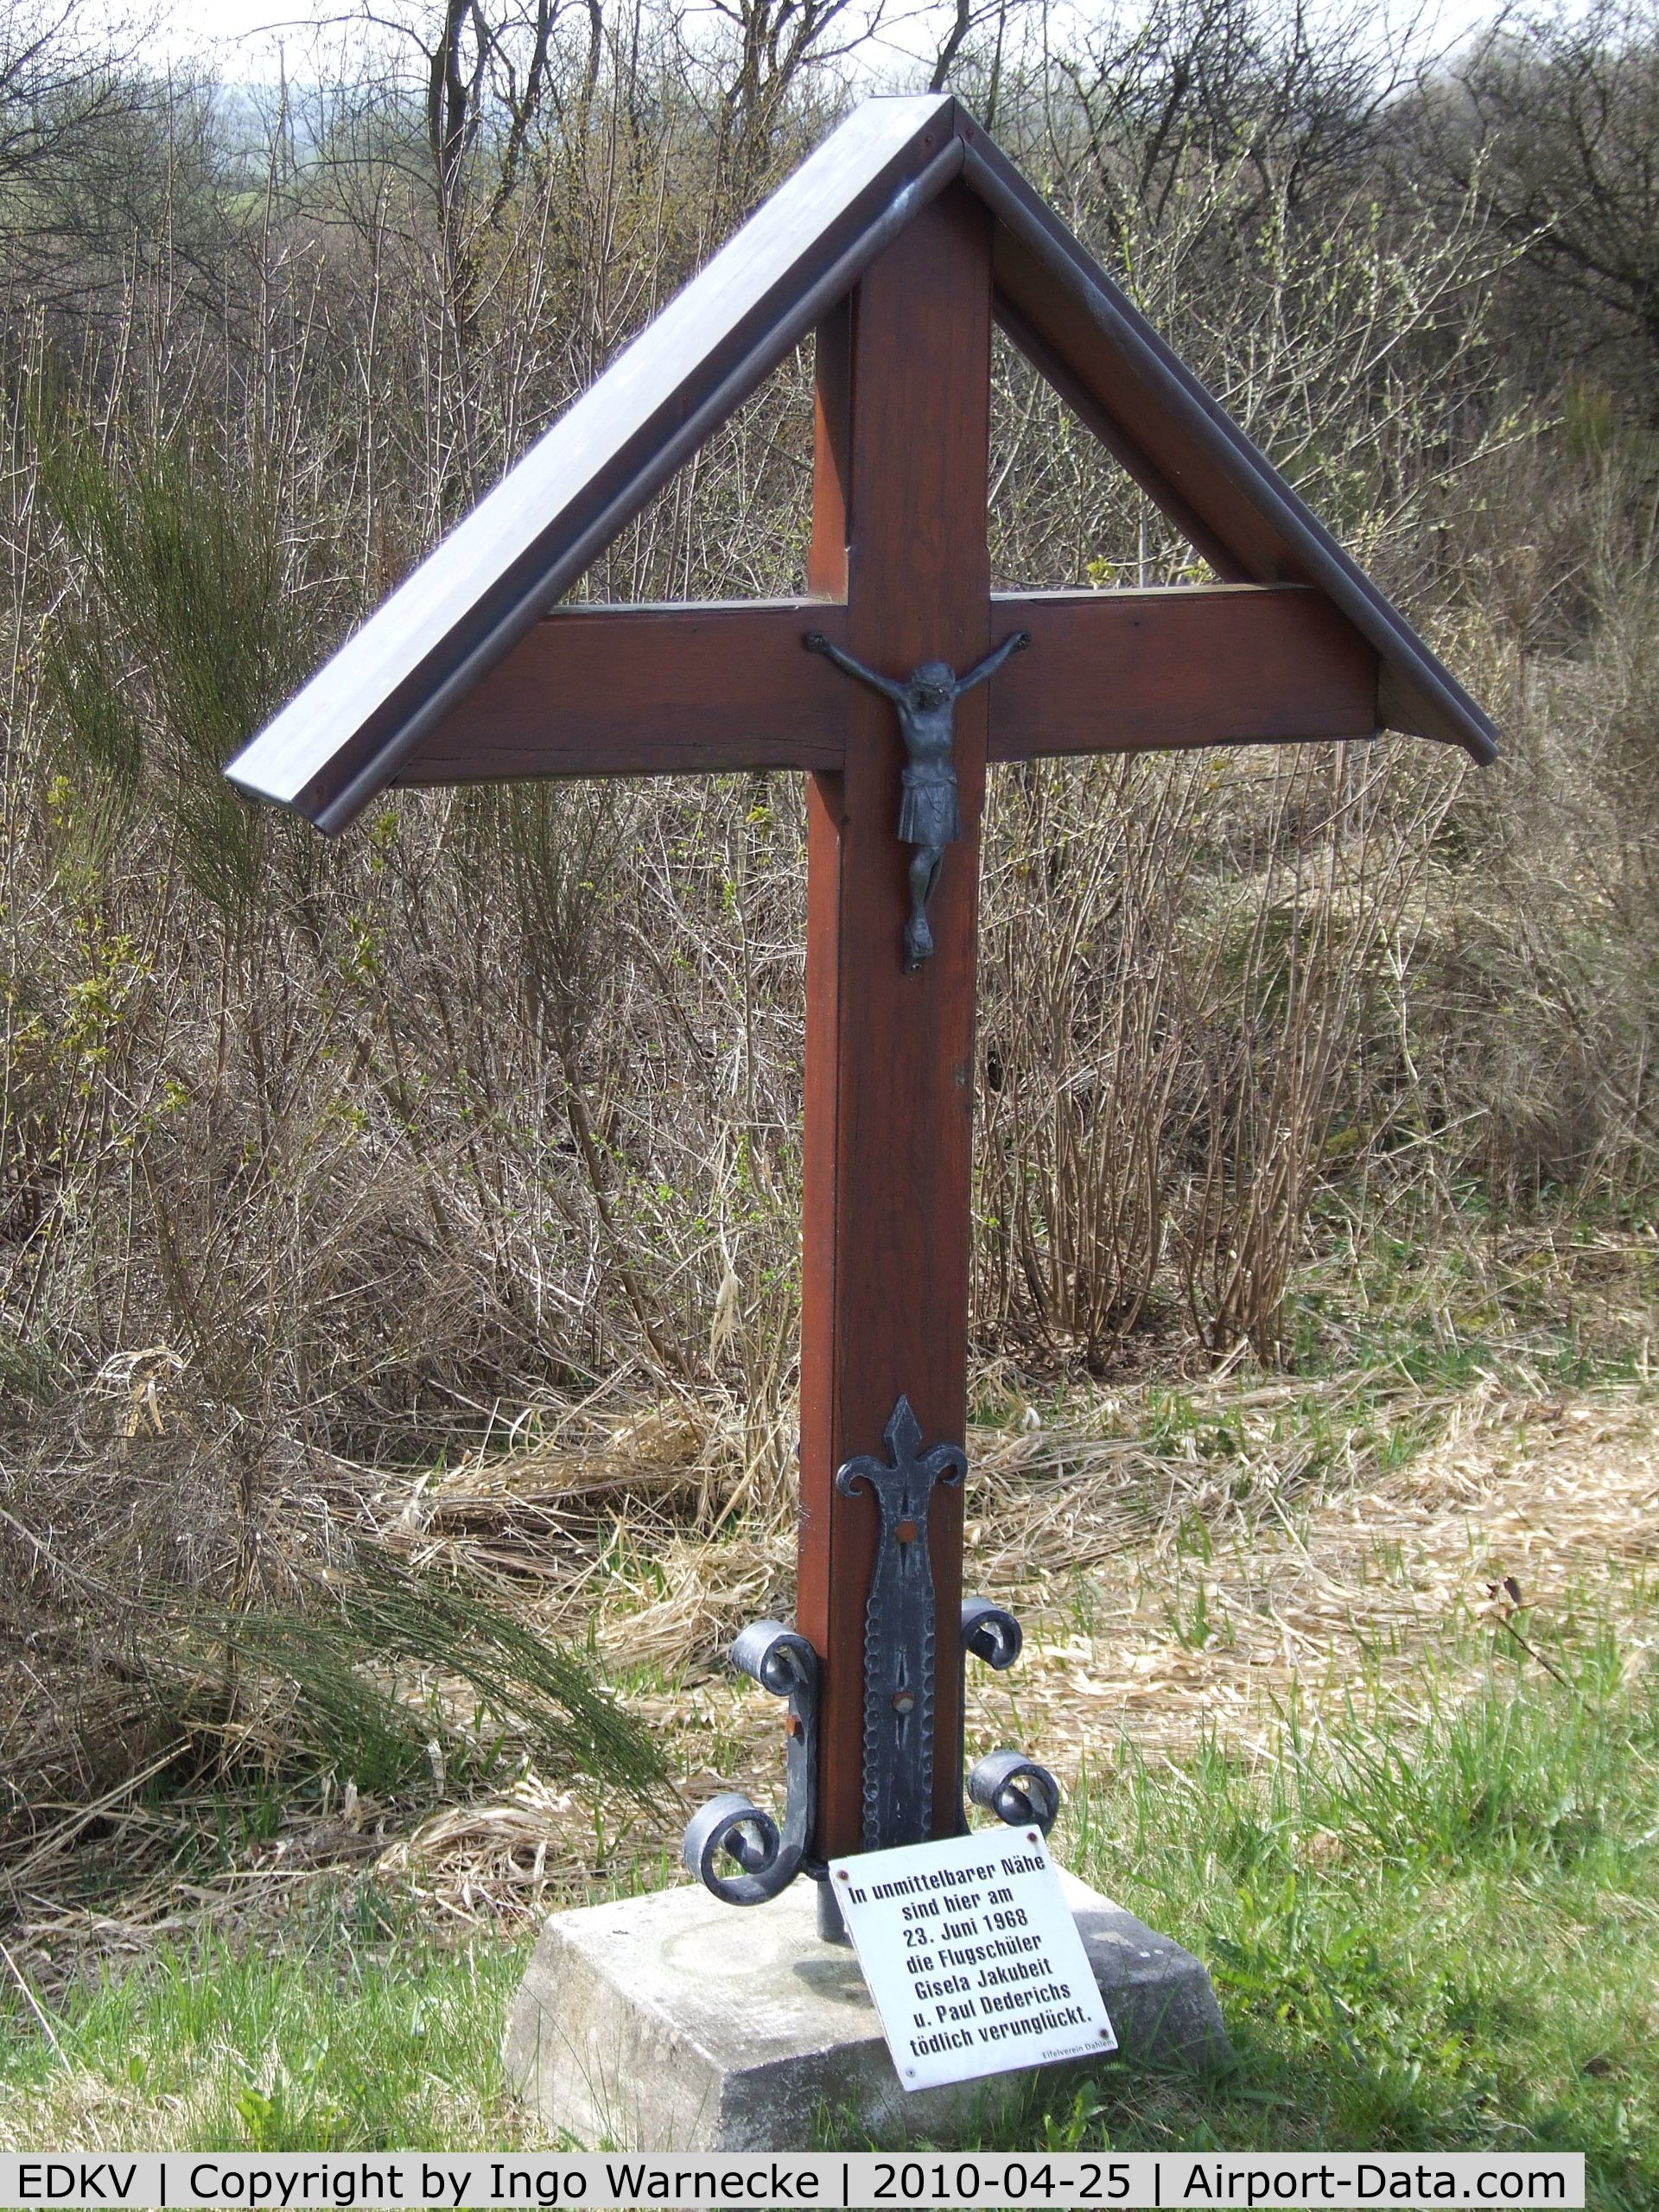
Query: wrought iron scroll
pixel 900 1638
pixel 900 1662
pixel 1016 1789
pixel 731 1826
pixel 1007 1784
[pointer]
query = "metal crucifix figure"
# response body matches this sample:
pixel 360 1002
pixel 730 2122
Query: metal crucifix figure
pixel 930 819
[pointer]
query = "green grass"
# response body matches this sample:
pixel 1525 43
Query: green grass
pixel 1441 1934
pixel 1566 1294
pixel 1439 1929
pixel 354 2030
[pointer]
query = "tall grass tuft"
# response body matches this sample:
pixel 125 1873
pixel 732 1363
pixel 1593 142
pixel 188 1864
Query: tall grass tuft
pixel 183 637
pixel 390 1671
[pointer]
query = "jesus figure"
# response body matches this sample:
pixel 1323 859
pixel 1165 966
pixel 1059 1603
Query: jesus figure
pixel 930 818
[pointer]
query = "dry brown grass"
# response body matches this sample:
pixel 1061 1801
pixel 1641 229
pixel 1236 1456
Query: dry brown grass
pixel 1553 1493
pixel 1191 1563
pixel 1166 1596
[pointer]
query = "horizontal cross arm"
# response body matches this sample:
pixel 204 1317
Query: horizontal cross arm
pixel 1141 672
pixel 718 687
pixel 649 691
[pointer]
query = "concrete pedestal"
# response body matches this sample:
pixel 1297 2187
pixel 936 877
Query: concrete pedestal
pixel 676 2023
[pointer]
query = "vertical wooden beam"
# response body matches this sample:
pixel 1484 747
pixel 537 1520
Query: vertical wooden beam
pixel 900 523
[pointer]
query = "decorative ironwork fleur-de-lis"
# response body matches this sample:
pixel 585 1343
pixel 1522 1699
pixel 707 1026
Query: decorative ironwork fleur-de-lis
pixel 900 1635
pixel 900 1660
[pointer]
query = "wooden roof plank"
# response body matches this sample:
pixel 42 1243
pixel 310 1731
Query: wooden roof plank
pixel 1089 411
pixel 645 690
pixel 1159 670
pixel 1219 476
pixel 724 685
pixel 344 737
pixel 358 723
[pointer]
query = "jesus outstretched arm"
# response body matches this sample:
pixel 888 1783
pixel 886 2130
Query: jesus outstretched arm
pixel 815 642
pixel 1016 643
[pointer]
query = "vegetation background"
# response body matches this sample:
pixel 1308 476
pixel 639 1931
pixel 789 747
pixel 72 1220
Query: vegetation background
pixel 399 1237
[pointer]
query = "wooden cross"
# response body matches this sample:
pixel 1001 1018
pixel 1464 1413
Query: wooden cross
pixel 900 241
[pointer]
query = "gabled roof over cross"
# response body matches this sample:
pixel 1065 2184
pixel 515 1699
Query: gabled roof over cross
pixel 897 242
pixel 411 696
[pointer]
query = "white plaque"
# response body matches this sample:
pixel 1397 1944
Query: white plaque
pixel 973 1959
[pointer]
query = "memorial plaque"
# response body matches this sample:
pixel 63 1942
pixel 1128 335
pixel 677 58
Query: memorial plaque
pixel 972 1958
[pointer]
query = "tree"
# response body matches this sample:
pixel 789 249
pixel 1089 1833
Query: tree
pixel 1552 124
pixel 1286 103
pixel 765 50
pixel 81 133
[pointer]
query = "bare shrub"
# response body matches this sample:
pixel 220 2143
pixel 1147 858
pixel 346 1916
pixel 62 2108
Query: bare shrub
pixel 320 1163
pixel 1310 931
pixel 1085 1043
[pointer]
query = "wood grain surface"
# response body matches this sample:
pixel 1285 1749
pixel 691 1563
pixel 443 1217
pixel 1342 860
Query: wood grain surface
pixel 349 731
pixel 353 728
pixel 649 691
pixel 903 449
pixel 1136 671
pixel 677 691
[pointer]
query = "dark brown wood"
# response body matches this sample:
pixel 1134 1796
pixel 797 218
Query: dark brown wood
pixel 355 726
pixel 1133 671
pixel 831 1549
pixel 1059 305
pixel 1164 451
pixel 899 241
pixel 648 691
pixel 675 690
pixel 1085 405
pixel 903 437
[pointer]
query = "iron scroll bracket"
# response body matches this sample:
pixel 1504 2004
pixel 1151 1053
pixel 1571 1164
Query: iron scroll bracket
pixel 1008 1783
pixel 900 1656
pixel 731 1826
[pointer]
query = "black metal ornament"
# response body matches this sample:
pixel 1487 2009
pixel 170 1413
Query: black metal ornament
pixel 732 1825
pixel 900 1660
pixel 1007 1784
pixel 900 1636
